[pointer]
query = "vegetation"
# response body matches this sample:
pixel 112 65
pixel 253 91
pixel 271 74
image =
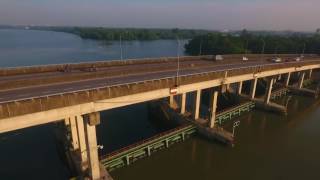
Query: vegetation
pixel 245 42
pixel 113 34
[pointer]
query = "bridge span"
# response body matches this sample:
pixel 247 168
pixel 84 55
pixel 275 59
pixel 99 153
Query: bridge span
pixel 76 93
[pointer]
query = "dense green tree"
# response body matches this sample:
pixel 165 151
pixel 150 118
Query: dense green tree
pixel 218 43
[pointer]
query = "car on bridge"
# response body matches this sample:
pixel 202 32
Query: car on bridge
pixel 219 57
pixel 276 60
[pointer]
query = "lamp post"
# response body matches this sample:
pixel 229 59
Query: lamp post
pixel 121 57
pixel 235 124
pixel 303 50
pixel 262 52
pixel 178 61
pixel 200 48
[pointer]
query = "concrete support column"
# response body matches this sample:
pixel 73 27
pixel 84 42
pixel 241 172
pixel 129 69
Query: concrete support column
pixel 74 133
pixel 228 87
pixel 253 88
pixel 213 109
pixel 310 74
pixel 225 88
pixel 82 143
pixel 301 78
pixel 92 148
pixel 288 79
pixel 183 103
pixel 67 121
pixel 240 88
pixel 269 90
pixel 171 101
pixel 197 105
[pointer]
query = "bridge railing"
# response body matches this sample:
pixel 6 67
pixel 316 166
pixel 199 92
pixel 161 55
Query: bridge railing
pixel 145 141
pixel 100 64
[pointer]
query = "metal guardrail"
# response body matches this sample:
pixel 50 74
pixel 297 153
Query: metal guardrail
pixel 279 93
pixel 236 111
pixel 126 155
pixel 229 113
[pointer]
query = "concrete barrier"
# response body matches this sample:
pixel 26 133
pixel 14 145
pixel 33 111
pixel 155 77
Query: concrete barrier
pixel 100 64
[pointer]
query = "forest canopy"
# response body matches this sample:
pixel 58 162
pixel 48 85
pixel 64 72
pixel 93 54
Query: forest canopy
pixel 114 34
pixel 220 43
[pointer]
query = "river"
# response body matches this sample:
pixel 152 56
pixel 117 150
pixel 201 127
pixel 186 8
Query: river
pixel 268 146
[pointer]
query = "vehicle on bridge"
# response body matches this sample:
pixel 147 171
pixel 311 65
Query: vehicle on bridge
pixel 276 60
pixel 244 58
pixel 219 58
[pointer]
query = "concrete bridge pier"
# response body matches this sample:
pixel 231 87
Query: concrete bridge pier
pixel 197 104
pixel 269 91
pixel 310 74
pixel 183 103
pixel 74 132
pixel 84 145
pixel 287 82
pixel 225 88
pixel 265 104
pixel 82 142
pixel 253 88
pixel 213 109
pixel 299 90
pixel 239 90
pixel 91 120
pixel 78 144
pixel 301 79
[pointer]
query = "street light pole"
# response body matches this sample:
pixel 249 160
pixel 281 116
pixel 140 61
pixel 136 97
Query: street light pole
pixel 121 47
pixel 178 59
pixel 200 48
pixel 262 52
pixel 304 48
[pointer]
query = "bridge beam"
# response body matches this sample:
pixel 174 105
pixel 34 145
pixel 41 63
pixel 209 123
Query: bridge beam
pixel 213 109
pixel 197 105
pixel 269 91
pixel 253 88
pixel 91 121
pixel 301 78
pixel 183 103
pixel 288 79
pixel 239 87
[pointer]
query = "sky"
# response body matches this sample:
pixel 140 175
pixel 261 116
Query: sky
pixel 296 15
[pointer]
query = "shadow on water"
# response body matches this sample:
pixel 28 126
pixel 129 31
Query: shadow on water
pixel 127 125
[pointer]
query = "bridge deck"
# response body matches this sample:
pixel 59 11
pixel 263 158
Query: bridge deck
pixel 34 104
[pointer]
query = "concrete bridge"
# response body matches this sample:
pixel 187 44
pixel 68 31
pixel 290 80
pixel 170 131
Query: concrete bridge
pixel 76 93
